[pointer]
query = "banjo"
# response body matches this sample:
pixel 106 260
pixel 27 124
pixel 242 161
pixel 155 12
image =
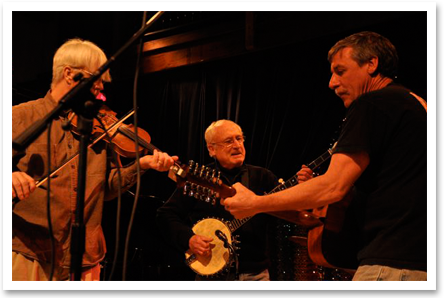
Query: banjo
pixel 202 183
pixel 223 247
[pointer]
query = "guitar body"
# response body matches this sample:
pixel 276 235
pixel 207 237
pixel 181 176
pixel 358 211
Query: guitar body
pixel 220 256
pixel 335 244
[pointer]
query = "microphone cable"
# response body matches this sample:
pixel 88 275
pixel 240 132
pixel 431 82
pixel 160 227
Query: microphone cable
pixel 136 197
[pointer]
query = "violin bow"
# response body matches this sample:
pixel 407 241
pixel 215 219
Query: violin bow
pixel 109 129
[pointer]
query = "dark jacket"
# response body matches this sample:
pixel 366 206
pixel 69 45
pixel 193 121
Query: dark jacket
pixel 178 215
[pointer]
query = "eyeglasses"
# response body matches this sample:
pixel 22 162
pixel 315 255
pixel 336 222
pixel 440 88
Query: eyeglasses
pixel 87 72
pixel 228 143
pixel 83 70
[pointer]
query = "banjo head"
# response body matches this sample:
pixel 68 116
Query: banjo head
pixel 219 258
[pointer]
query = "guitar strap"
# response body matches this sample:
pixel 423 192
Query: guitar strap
pixel 418 98
pixel 421 101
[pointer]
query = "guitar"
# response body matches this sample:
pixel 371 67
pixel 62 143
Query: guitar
pixel 203 183
pixel 333 244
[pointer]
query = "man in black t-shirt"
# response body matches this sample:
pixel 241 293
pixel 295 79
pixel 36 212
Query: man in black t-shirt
pixel 382 153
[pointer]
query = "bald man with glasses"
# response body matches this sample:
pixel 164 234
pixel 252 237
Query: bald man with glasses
pixel 225 143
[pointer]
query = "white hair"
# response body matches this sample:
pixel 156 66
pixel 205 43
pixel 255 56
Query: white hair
pixel 209 133
pixel 79 54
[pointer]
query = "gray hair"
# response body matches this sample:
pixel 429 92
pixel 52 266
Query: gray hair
pixel 367 45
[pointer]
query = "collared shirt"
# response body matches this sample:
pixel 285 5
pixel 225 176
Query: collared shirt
pixel 30 224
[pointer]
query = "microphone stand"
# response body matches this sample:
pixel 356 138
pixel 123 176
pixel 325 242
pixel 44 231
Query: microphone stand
pixel 85 124
pixel 86 111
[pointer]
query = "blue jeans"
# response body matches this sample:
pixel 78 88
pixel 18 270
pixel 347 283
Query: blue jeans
pixel 382 273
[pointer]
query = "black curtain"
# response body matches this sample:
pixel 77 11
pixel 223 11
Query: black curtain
pixel 285 123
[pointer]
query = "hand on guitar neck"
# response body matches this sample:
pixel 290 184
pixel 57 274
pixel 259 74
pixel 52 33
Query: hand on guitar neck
pixel 301 217
pixel 244 206
pixel 304 174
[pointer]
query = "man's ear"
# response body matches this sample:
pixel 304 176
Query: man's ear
pixel 211 150
pixel 68 75
pixel 372 65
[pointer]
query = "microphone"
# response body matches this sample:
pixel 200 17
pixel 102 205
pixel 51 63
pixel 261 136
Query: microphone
pixel 233 254
pixel 222 237
pixel 66 125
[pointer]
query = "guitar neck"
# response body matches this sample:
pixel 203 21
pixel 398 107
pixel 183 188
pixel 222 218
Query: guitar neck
pixel 237 223
pixel 296 216
pixel 320 160
pixel 313 166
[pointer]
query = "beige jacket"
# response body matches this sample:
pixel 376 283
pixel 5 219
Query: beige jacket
pixel 29 221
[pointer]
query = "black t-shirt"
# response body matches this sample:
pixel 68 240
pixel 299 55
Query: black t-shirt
pixel 391 126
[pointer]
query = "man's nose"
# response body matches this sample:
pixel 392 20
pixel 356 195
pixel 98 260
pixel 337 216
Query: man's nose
pixel 98 85
pixel 237 143
pixel 334 82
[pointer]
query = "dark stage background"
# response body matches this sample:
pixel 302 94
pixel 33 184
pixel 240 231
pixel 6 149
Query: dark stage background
pixel 276 89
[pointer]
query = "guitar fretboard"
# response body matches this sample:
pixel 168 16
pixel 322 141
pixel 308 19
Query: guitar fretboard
pixel 237 223
pixel 320 160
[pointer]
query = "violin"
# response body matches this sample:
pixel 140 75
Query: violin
pixel 107 127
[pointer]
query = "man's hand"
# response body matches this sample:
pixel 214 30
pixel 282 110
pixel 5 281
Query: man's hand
pixel 22 185
pixel 159 161
pixel 242 204
pixel 245 202
pixel 200 245
pixel 304 174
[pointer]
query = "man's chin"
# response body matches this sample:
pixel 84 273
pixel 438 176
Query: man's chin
pixel 238 161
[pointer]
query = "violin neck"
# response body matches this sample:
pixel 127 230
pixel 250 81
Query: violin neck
pixel 150 147
pixel 130 134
